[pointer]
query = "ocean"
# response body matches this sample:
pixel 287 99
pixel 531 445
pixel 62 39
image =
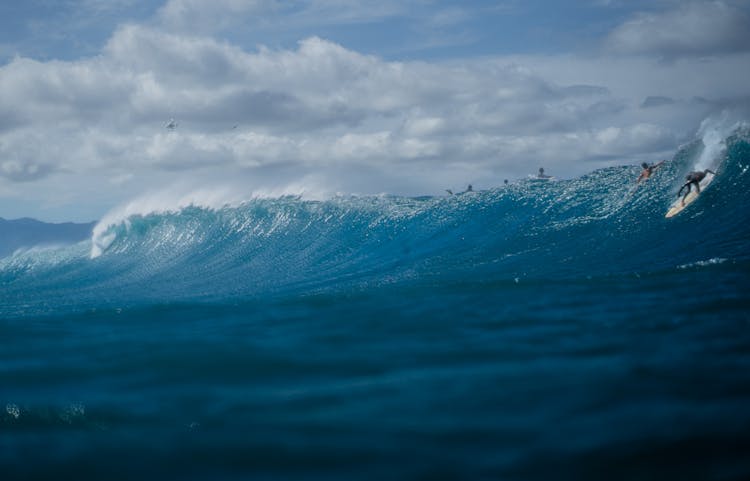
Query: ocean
pixel 539 330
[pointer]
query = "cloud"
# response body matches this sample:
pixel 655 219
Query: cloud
pixel 449 17
pixel 176 60
pixel 23 159
pixel 656 101
pixel 23 171
pixel 211 15
pixel 690 29
pixel 349 11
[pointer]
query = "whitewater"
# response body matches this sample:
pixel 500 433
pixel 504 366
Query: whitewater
pixel 539 330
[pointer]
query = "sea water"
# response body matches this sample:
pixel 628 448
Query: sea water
pixel 541 330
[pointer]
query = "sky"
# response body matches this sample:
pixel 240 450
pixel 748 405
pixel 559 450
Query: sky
pixel 326 97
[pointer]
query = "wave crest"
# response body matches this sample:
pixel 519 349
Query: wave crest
pixel 212 245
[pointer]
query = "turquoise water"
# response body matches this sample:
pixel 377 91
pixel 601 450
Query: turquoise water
pixel 543 330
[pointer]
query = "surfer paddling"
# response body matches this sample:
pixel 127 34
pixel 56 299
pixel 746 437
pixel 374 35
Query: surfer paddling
pixel 648 170
pixel 694 178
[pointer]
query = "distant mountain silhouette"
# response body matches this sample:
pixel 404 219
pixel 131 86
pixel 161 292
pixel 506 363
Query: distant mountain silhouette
pixel 18 233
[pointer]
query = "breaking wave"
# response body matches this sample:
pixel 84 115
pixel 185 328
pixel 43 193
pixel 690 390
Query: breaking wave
pixel 202 249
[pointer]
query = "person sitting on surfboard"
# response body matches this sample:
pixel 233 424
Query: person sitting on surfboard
pixel 648 170
pixel 542 175
pixel 694 178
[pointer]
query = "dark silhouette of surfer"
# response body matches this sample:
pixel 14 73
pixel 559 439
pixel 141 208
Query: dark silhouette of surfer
pixel 694 178
pixel 648 170
pixel 542 175
pixel 468 189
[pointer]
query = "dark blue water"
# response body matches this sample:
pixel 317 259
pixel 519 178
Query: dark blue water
pixel 544 330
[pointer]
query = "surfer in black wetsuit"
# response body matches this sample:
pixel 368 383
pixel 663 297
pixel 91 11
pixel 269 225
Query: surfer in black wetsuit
pixel 468 189
pixel 542 175
pixel 694 178
pixel 648 170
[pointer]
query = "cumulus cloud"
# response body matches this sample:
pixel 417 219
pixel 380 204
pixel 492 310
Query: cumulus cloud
pixel 690 29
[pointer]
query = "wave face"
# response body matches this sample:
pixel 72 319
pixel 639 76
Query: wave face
pixel 593 226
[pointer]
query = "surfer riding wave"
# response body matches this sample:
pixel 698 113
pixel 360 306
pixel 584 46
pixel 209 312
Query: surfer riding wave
pixel 694 178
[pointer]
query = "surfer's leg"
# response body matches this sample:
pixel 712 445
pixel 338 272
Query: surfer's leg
pixel 697 188
pixel 686 194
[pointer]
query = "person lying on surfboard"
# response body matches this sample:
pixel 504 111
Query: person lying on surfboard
pixel 648 170
pixel 694 178
pixel 468 189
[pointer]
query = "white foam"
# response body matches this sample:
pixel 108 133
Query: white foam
pixel 175 198
pixel 709 262
pixel 13 410
pixel 168 200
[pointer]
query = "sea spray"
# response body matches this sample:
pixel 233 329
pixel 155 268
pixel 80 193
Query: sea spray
pixel 713 133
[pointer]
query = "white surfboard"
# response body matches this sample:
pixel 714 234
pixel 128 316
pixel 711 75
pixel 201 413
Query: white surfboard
pixel 678 206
